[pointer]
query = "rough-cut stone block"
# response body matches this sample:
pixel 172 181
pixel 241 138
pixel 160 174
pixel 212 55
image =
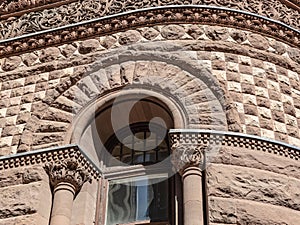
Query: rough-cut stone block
pixel 29 59
pixel 252 184
pixel 222 211
pixel 113 75
pixel 216 34
pixel 172 32
pixel 49 54
pixel 259 160
pixel 68 50
pixel 234 211
pixel 46 138
pixel 149 33
pixel 129 37
pixel 11 63
pixel 258 41
pixel 32 219
pixel 294 54
pixel 54 114
pixel 88 46
pixel 19 200
pixel 49 126
pixel 21 176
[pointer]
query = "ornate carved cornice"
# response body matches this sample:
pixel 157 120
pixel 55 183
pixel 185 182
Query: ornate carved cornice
pixel 215 139
pixel 186 155
pixel 85 10
pixel 167 15
pixel 53 156
pixel 67 171
pixel 12 6
pixel 16 8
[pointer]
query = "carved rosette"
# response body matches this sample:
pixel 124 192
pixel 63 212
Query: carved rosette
pixel 67 172
pixel 186 155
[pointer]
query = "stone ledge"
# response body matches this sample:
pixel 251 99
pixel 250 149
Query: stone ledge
pixel 216 139
pixel 51 155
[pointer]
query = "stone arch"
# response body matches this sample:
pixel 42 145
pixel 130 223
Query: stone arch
pixel 184 78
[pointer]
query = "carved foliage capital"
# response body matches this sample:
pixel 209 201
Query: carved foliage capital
pixel 67 171
pixel 185 155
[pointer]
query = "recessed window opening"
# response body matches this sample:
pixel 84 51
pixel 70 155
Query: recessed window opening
pixel 140 146
pixel 139 200
pixel 142 196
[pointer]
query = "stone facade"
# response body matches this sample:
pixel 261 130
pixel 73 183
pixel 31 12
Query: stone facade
pixel 262 84
pixel 233 77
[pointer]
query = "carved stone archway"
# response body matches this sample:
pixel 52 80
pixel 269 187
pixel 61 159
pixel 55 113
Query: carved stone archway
pixel 189 82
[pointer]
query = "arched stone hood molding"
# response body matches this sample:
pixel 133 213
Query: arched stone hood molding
pixel 54 27
pixel 168 71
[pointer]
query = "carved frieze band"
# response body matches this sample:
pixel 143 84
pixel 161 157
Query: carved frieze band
pixel 215 140
pixel 85 10
pixel 169 15
pixel 16 8
pixel 54 157
pixel 11 6
pixel 67 171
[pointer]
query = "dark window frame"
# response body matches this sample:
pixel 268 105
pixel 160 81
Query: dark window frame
pixel 135 128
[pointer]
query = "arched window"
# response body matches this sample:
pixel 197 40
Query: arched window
pixel 135 160
pixel 139 199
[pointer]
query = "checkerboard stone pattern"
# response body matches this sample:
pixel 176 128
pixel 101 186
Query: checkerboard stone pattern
pixel 266 95
pixel 19 99
pixel 262 80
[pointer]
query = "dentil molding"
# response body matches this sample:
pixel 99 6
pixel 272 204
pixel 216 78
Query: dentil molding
pixel 212 140
pixel 60 162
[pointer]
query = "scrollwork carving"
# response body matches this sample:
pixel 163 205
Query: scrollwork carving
pixel 90 9
pixel 67 171
pixel 203 15
pixel 9 6
pixel 186 155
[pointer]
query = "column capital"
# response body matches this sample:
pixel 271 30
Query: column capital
pixel 186 155
pixel 67 171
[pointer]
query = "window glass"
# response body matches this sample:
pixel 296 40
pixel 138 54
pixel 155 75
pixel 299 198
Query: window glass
pixel 138 199
pixel 139 147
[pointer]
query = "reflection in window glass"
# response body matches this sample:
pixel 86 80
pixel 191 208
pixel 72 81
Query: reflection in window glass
pixel 138 199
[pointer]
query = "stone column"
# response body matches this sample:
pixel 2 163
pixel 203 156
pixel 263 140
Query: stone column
pixel 66 179
pixel 187 159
